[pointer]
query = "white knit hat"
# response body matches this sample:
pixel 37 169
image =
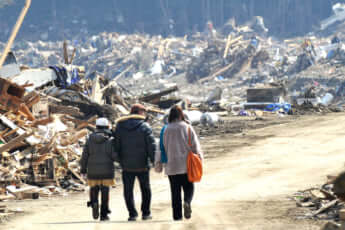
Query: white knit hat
pixel 102 122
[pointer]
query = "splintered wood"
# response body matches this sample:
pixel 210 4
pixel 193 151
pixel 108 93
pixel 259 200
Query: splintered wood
pixel 39 148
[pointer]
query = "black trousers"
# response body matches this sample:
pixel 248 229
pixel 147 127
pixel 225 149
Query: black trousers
pixel 177 183
pixel 94 192
pixel 128 179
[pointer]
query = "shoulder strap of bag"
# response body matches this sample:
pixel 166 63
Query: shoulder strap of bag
pixel 189 137
pixel 164 158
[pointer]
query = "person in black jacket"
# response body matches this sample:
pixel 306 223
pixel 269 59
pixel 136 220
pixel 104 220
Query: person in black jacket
pixel 135 145
pixel 97 162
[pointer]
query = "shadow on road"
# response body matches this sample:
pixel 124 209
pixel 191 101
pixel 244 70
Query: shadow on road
pixel 106 222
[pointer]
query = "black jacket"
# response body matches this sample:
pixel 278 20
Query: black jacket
pixel 134 143
pixel 98 156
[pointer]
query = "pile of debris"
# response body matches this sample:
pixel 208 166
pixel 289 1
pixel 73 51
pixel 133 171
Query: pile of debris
pixel 39 145
pixel 234 61
pixel 224 59
pixel 45 115
pixel 320 203
pixel 325 202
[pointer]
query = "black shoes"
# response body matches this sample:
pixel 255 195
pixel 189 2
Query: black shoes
pixel 187 211
pixel 104 213
pixel 95 211
pixel 144 217
pixel 147 217
pixel 132 218
pixel 105 218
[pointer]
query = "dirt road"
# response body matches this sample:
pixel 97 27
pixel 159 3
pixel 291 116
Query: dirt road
pixel 245 187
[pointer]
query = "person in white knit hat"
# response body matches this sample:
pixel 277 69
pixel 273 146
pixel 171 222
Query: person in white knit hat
pixel 97 162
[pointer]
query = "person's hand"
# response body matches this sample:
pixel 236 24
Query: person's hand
pixel 84 176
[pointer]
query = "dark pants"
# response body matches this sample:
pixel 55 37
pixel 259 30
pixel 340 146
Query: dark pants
pixel 94 192
pixel 178 182
pixel 128 179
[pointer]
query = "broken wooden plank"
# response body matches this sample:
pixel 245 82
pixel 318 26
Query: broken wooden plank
pixel 68 167
pixel 86 125
pixel 78 135
pixel 234 41
pixel 328 195
pixel 20 131
pixel 11 95
pixel 325 207
pixel 12 143
pixel 7 197
pixel 78 121
pixel 61 109
pixel 155 97
pixel 219 72
pixel 342 214
pixel 31 99
pixel 3 169
pixel 77 175
pixel 73 55
pixel 10 132
pixel 19 144
pixel 42 158
pixel 154 110
pixel 113 81
pixel 65 52
pixel 2 208
pixel 96 94
pixel 227 46
pixel 18 192
pixel 48 147
pixel 43 121
pixel 119 100
pixel 317 195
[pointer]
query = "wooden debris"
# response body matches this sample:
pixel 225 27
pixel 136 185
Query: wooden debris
pixel 227 46
pixel 2 208
pixel 96 94
pixel 342 214
pixel 31 99
pixel 14 142
pixel 325 207
pixel 61 109
pixel 113 81
pixel 330 226
pixel 75 137
pixel 155 97
pixel 317 195
pixel 19 193
pixel 7 197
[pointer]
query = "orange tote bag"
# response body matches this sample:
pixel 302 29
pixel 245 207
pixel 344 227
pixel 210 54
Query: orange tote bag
pixel 194 163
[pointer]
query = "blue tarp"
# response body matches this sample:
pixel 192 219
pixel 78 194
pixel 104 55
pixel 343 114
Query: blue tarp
pixel 331 54
pixel 277 106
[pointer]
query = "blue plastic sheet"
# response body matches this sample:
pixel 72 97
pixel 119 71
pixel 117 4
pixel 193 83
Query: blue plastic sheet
pixel 331 54
pixel 243 113
pixel 277 106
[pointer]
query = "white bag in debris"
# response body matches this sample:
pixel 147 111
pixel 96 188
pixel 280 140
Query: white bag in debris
pixel 157 67
pixel 209 119
pixel 193 116
pixel 327 99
